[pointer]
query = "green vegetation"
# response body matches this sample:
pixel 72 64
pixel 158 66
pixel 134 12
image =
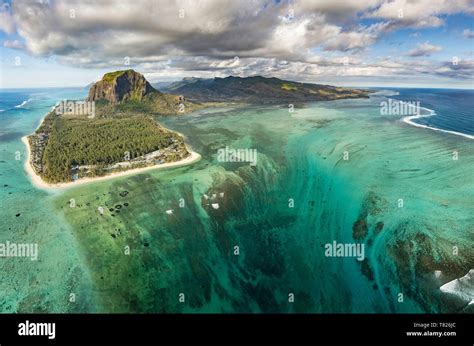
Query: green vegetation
pixel 100 143
pixel 126 107
pixel 150 105
pixel 111 76
pixel 289 87
pixel 259 90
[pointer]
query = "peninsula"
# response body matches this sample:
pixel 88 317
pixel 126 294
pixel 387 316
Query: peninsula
pixel 111 133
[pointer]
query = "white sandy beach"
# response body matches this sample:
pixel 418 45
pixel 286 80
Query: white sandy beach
pixel 41 184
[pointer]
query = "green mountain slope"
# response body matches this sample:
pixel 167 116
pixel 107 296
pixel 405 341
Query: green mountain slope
pixel 259 90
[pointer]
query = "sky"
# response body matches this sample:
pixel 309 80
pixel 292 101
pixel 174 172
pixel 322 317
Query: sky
pixel 397 43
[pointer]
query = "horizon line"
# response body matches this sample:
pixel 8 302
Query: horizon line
pixel 346 86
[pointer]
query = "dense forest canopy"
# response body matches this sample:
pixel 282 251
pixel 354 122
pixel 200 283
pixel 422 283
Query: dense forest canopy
pixel 99 142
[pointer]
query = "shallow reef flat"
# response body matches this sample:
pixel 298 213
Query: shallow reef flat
pixel 400 193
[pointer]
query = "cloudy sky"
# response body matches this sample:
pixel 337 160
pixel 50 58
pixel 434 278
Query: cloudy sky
pixel 424 43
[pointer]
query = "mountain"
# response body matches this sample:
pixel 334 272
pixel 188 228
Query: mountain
pixel 121 86
pixel 88 86
pixel 259 90
pixel 171 85
pixel 161 85
pixel 184 82
pixel 128 91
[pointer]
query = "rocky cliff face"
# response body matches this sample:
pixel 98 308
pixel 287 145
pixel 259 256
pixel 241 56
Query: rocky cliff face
pixel 121 86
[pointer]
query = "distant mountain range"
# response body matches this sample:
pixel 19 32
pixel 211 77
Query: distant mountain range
pixel 258 90
pixel 129 90
pixel 161 85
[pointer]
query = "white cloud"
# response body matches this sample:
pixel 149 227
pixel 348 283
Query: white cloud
pixel 420 13
pixel 353 40
pixel 424 49
pixel 468 33
pixel 15 44
pixel 218 28
pixel 7 24
pixel 262 33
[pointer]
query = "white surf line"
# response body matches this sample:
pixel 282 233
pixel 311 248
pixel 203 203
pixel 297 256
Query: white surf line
pixel 385 93
pixel 23 103
pixel 409 120
pixel 461 287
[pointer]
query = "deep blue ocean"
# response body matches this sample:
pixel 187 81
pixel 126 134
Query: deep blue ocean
pixel 453 108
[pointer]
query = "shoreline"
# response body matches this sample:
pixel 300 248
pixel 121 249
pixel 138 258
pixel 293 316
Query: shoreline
pixel 38 182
